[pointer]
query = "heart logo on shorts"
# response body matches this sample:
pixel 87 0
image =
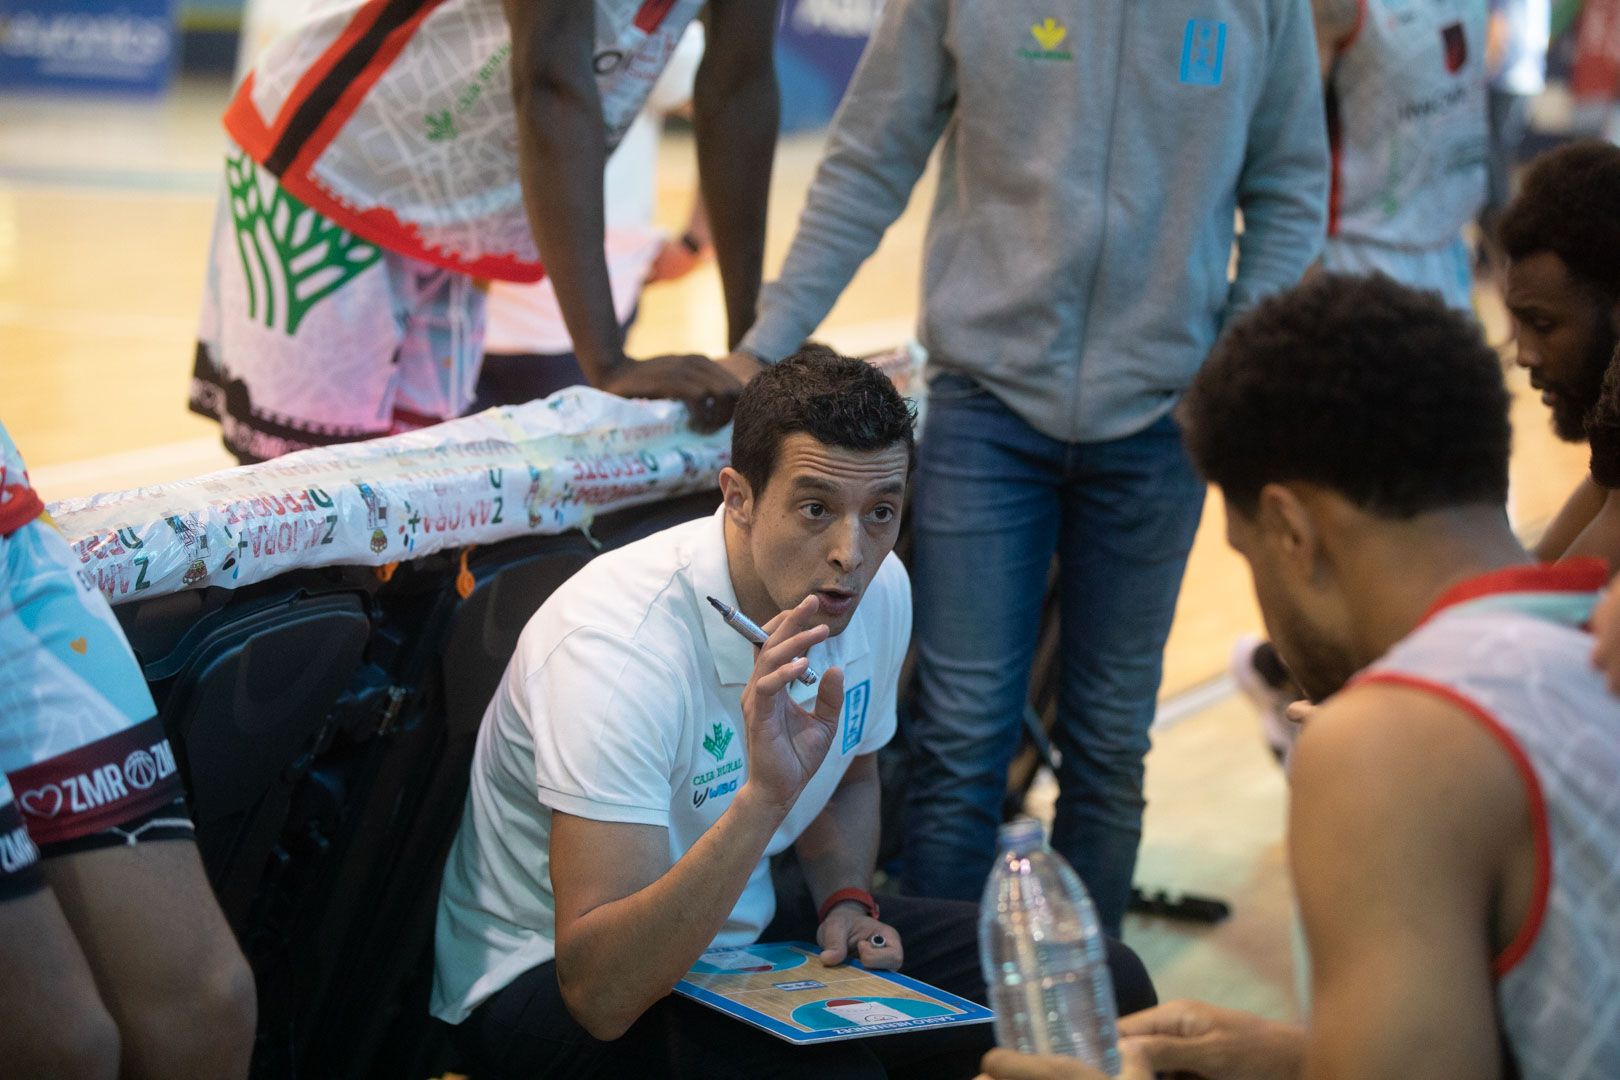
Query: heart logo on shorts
pixel 42 802
pixel 79 645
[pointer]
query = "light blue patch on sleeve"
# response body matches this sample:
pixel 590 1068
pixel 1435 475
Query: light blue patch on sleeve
pixel 71 622
pixel 1203 52
pixel 856 700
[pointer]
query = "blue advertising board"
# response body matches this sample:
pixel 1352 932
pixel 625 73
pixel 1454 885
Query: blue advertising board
pixel 817 46
pixel 122 46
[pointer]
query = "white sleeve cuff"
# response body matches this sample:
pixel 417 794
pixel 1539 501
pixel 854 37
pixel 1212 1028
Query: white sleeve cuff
pixel 596 810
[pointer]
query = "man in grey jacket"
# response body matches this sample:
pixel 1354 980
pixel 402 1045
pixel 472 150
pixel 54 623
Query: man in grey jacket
pixel 1076 274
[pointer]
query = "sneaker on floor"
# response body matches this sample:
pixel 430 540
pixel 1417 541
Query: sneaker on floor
pixel 1270 694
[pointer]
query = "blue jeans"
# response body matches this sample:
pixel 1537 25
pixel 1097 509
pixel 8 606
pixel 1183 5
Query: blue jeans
pixel 995 501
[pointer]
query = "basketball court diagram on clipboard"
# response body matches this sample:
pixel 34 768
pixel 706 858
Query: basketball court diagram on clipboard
pixel 784 989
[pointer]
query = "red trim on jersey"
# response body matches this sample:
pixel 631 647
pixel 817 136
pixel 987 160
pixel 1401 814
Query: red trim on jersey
pixel 1528 930
pixel 1568 575
pixel 1335 175
pixel 379 225
pixel 652 14
pixel 21 506
pixel 245 126
pixel 383 227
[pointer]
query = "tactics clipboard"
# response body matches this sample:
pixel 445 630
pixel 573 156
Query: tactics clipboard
pixel 782 988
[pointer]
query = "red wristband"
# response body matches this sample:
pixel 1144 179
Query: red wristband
pixel 859 896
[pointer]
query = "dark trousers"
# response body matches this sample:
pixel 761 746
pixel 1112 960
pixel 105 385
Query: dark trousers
pixel 519 378
pixel 525 1030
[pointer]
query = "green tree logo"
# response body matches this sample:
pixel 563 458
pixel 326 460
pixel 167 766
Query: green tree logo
pixel 285 243
pixel 718 741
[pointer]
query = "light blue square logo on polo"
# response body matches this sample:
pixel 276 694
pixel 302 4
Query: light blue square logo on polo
pixel 1203 52
pixel 856 699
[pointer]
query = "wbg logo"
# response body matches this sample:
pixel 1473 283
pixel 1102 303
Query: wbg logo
pixel 140 770
pixel 703 795
pixel 143 768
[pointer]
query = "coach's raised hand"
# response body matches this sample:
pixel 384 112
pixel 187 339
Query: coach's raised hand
pixel 787 743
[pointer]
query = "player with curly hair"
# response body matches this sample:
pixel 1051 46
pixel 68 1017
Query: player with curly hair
pixel 1563 290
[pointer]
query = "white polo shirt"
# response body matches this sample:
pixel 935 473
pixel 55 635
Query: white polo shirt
pixel 623 702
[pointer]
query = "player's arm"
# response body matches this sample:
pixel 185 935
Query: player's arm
pixel 1405 824
pixel 561 152
pixel 838 850
pixel 1497 36
pixel 735 107
pixel 1606 646
pixel 897 106
pixel 628 924
pixel 1337 22
pixel 1572 520
pixel 1600 538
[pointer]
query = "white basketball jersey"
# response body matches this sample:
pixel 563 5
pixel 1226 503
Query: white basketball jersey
pixel 1407 120
pixel 395 118
pixel 1513 647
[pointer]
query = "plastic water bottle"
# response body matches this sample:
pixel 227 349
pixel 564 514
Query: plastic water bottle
pixel 1045 962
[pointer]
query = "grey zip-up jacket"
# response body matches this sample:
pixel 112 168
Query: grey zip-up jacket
pixel 1094 152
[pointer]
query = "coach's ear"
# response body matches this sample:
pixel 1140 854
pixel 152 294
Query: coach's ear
pixel 737 496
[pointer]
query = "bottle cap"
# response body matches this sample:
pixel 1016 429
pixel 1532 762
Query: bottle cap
pixel 1022 833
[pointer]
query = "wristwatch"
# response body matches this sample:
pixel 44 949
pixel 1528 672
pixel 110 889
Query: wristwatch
pixel 859 896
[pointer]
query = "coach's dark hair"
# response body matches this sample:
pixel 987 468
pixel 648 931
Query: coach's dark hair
pixel 1569 204
pixel 1357 384
pixel 838 401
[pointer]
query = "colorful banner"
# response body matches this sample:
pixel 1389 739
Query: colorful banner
pixel 545 467
pixel 121 46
